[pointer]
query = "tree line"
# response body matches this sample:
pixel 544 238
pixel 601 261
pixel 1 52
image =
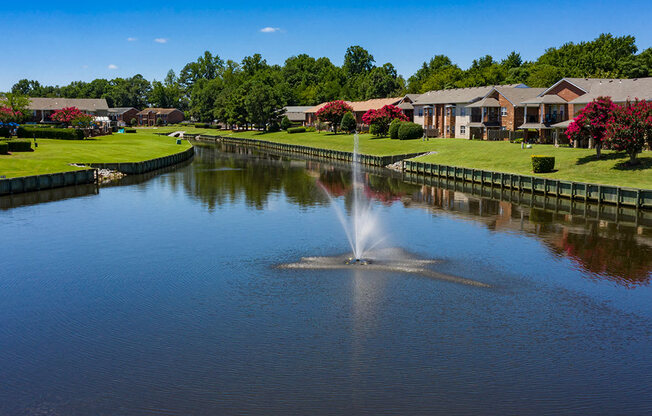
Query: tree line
pixel 252 91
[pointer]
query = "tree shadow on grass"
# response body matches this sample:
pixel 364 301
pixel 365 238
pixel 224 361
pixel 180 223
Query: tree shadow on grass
pixel 605 156
pixel 644 163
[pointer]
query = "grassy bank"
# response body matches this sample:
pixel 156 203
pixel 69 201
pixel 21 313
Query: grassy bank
pixel 53 156
pixel 570 164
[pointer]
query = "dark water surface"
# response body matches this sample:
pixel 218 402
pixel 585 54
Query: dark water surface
pixel 163 297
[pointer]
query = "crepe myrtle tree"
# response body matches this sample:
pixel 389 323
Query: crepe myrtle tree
pixel 630 127
pixel 333 112
pixel 379 120
pixel 591 124
pixel 72 116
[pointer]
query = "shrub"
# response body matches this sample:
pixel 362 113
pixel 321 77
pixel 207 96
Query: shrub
pixel 286 123
pixel 130 130
pixel 296 130
pixel 543 164
pixel 348 123
pixel 133 122
pixel 273 127
pixel 5 132
pixel 50 133
pixel 311 129
pixel 4 148
pixel 410 131
pixel 202 125
pixel 375 129
pixel 159 121
pixel 19 145
pixel 393 128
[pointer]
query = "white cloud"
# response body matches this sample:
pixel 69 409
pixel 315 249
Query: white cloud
pixel 270 29
pixel 161 40
pixel 131 39
pixel 112 66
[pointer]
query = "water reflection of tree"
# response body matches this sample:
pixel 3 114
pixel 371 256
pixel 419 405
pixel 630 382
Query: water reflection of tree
pixel 605 250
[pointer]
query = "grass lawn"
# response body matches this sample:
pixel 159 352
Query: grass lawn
pixel 570 164
pixel 53 156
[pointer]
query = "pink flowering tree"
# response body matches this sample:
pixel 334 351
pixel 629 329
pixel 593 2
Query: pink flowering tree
pixel 333 112
pixel 7 115
pixel 72 116
pixel 379 120
pixel 591 124
pixel 630 128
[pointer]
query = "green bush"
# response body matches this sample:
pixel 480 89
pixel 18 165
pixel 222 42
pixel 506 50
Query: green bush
pixel 202 125
pixel 286 123
pixel 543 164
pixel 5 132
pixel 49 133
pixel 4 148
pixel 133 122
pixel 296 130
pixel 348 123
pixel 19 145
pixel 273 127
pixel 311 129
pixel 375 130
pixel 130 130
pixel 410 131
pixel 393 128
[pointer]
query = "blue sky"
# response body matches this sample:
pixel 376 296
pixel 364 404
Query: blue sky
pixel 59 42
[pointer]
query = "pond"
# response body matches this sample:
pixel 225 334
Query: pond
pixel 165 296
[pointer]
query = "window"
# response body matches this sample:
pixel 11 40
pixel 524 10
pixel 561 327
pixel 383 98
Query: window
pixel 448 129
pixel 462 130
pixel 503 111
pixel 462 111
pixel 420 112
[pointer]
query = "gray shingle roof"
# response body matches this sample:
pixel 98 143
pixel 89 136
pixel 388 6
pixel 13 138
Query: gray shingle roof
pixel 456 95
pixel 120 110
pixel 297 113
pixel 620 90
pixel 84 104
pixel 516 95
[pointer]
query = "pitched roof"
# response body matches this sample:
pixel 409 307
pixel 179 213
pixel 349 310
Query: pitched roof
pixel 545 99
pixel 318 107
pixel 485 102
pixel 620 90
pixel 158 110
pixel 455 95
pixel 296 112
pixel 517 94
pixel 373 104
pixel 56 103
pixel 120 110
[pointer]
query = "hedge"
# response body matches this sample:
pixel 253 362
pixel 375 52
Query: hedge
pixel 4 148
pixel 202 126
pixel 130 130
pixel 5 132
pixel 296 130
pixel 543 164
pixel 19 145
pixel 410 131
pixel 393 128
pixel 50 133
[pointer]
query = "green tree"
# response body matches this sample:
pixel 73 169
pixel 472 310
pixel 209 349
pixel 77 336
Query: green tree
pixel 17 104
pixel 286 123
pixel 348 123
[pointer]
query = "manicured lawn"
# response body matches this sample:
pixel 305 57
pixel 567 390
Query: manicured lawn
pixel 55 155
pixel 570 164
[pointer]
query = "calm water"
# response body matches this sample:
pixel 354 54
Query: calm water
pixel 163 297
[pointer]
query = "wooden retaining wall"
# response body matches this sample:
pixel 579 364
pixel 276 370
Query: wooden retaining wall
pixel 311 151
pixel 134 168
pixel 640 198
pixel 46 181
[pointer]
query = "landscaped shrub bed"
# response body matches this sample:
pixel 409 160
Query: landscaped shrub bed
pixel 410 131
pixel 130 130
pixel 393 128
pixel 4 148
pixel 19 145
pixel 203 126
pixel 543 164
pixel 5 132
pixel 50 133
pixel 296 130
